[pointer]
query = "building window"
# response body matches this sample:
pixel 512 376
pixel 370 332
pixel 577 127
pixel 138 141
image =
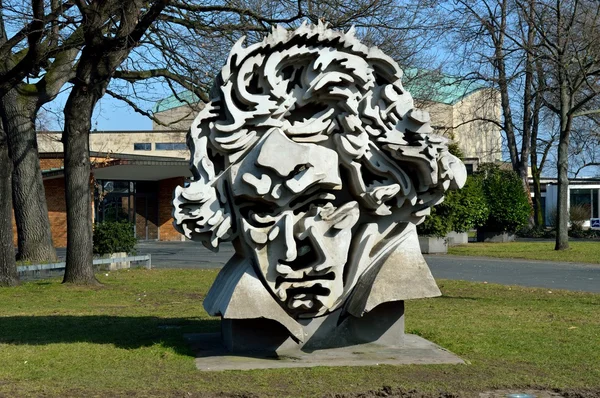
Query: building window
pixel 142 146
pixel 586 198
pixel 469 168
pixel 170 146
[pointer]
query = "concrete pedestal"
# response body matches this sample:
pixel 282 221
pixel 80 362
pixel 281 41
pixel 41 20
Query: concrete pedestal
pixel 384 325
pixel 457 238
pixel 211 355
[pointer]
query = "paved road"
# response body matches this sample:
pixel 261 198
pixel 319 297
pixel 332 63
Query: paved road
pixel 550 275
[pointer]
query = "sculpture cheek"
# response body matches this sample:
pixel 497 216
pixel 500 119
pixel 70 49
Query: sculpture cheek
pixel 258 236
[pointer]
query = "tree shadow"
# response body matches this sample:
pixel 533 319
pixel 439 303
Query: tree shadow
pixel 123 332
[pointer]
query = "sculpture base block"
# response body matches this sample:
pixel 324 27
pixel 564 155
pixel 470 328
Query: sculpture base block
pixel 384 325
pixel 211 355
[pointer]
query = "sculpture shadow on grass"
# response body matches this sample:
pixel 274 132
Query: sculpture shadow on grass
pixel 123 332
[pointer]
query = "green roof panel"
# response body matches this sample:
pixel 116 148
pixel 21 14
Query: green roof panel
pixel 175 101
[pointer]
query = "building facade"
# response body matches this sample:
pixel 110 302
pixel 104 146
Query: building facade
pixel 583 193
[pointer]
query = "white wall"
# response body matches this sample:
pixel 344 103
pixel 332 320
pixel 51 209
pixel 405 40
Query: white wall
pixel 552 199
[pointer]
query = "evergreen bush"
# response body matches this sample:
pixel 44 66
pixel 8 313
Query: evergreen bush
pixel 114 237
pixel 506 199
pixel 460 211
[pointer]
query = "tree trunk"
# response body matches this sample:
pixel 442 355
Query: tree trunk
pixel 78 113
pixel 8 267
pixel 562 227
pixel 29 199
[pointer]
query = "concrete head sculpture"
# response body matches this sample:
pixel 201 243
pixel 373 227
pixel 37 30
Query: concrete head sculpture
pixel 312 160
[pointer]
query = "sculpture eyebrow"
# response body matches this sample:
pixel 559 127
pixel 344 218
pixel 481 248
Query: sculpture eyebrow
pixel 241 158
pixel 297 170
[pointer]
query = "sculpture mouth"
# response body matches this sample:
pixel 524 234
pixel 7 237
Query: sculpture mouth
pixel 306 281
pixel 306 297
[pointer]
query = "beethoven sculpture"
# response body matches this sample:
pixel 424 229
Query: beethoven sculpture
pixel 311 158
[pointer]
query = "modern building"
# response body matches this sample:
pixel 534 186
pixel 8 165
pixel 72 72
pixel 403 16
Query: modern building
pixel 134 175
pixel 583 192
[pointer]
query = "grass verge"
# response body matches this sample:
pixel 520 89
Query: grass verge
pixel 579 252
pixel 125 339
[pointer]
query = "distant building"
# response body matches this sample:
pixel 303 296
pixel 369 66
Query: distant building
pixel 583 192
pixel 131 180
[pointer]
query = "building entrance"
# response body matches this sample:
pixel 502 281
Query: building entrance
pixel 132 201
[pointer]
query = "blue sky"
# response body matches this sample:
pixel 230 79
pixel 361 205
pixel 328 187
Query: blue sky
pixel 112 114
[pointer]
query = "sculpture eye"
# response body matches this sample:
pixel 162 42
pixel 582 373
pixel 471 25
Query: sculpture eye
pixel 257 215
pixel 262 219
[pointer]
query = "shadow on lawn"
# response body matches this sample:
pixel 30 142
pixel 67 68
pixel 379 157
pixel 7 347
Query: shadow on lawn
pixel 123 332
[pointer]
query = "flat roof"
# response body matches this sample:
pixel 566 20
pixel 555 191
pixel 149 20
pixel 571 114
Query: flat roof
pixel 119 156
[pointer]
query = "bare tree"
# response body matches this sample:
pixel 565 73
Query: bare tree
pixel 112 29
pixel 585 145
pixel 21 56
pixel 571 55
pixel 494 38
pixel 19 108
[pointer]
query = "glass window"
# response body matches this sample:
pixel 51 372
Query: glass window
pixel 469 167
pixel 170 146
pixel 584 198
pixel 142 146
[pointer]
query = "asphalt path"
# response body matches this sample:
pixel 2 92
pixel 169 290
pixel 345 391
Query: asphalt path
pixel 551 275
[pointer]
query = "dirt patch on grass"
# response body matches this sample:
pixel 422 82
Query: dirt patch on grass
pixel 581 393
pixel 390 392
pixel 387 391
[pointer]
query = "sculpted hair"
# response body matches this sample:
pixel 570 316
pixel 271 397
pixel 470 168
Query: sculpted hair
pixel 320 87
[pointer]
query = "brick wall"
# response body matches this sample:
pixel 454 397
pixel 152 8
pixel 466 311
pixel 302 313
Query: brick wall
pixel 165 198
pixel 47 164
pixel 57 212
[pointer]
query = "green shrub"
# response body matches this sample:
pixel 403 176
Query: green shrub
pixel 506 199
pixel 435 224
pixel 467 208
pixel 461 211
pixel 537 231
pixel 114 237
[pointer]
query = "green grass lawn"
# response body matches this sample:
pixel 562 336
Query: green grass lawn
pixel 579 252
pixel 125 339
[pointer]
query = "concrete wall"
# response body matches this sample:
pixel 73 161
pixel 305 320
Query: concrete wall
pixel 477 137
pixel 462 122
pixel 179 118
pixel 121 142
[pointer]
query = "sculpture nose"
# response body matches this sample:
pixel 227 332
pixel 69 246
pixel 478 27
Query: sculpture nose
pixel 289 241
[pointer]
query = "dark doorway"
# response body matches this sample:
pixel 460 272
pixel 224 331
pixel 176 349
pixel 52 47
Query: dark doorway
pixel 132 201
